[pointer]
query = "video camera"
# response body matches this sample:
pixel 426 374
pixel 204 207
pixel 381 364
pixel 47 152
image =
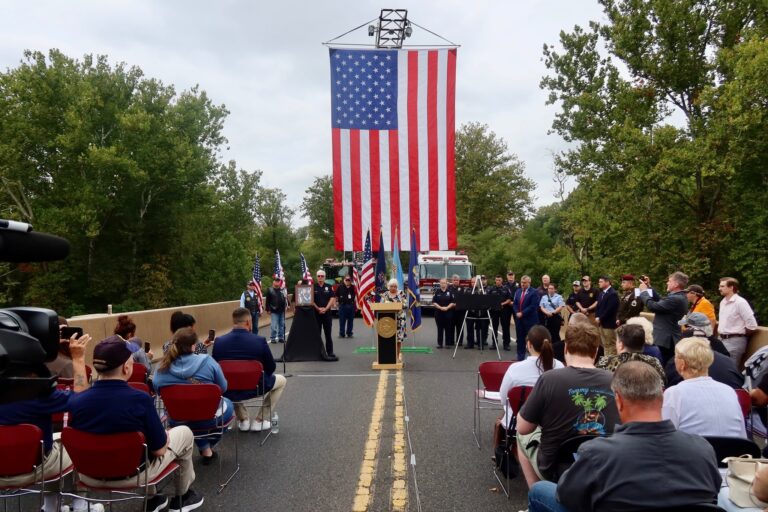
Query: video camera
pixel 28 336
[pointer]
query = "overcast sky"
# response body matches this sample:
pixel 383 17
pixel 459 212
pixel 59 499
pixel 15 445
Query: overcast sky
pixel 266 63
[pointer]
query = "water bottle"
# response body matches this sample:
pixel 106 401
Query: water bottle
pixel 275 427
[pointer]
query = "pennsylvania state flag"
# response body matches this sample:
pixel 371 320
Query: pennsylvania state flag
pixel 414 297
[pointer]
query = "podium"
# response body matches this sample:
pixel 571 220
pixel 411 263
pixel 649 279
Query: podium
pixel 386 333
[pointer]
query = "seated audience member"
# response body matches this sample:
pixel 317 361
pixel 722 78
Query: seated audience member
pixel 526 372
pixel 697 324
pixel 699 404
pixel 181 366
pixel 554 413
pixel 38 412
pixel 575 319
pixel 606 472
pixel 62 365
pixel 722 369
pixel 126 329
pixel 649 348
pixel 180 320
pixel 630 340
pixel 111 406
pixel 241 344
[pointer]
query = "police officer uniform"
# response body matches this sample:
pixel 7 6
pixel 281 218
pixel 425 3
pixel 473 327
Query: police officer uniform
pixel 458 314
pixel 323 295
pixel 444 319
pixel 345 297
pixel 503 292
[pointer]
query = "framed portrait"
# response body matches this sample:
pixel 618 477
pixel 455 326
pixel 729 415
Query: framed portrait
pixel 305 295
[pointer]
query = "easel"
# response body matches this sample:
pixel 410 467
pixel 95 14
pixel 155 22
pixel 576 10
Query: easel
pixel 481 291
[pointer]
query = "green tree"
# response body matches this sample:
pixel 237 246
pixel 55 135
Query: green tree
pixel 492 190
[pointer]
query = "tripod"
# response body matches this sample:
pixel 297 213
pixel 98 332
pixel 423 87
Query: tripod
pixel 478 289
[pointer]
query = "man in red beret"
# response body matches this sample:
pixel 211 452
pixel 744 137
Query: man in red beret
pixel 630 304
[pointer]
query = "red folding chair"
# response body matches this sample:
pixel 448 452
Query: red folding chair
pixel 745 401
pixel 23 453
pixel 190 403
pixel 139 373
pixel 516 397
pixel 246 376
pixel 111 457
pixel 141 386
pixel 489 374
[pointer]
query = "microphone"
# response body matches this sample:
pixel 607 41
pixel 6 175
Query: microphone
pixel 21 247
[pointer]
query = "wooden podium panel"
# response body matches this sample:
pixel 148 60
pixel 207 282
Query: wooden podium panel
pixel 386 334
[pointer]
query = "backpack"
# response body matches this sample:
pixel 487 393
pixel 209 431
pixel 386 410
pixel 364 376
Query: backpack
pixel 755 367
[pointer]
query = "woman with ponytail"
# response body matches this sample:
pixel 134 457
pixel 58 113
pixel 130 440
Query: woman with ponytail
pixel 527 372
pixel 180 365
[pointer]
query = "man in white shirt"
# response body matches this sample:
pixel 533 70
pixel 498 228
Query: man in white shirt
pixel 737 321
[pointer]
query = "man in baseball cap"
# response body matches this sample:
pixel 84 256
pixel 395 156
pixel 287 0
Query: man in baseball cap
pixel 111 406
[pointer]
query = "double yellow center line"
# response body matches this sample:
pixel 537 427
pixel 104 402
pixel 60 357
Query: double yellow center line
pixel 365 483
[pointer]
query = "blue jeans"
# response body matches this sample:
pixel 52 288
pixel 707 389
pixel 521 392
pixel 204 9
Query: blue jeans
pixel 277 327
pixel 346 317
pixel 542 497
pixel 199 427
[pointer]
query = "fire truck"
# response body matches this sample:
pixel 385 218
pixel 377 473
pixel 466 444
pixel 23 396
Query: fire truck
pixel 435 265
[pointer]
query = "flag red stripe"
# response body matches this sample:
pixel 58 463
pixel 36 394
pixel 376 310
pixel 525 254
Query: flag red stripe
pixel 450 122
pixel 354 163
pixel 413 142
pixel 375 200
pixel 394 183
pixel 338 218
pixel 434 240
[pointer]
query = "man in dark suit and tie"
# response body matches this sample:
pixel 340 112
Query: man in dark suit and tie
pixel 605 314
pixel 241 345
pixel 525 307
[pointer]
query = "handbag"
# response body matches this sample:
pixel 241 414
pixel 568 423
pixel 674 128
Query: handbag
pixel 741 476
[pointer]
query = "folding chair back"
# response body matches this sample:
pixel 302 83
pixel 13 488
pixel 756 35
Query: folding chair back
pixel 141 386
pixel 22 449
pixel 191 402
pixel 732 447
pixel 242 375
pixel 492 373
pixel 105 456
pixel 139 373
pixel 567 450
pixel 517 397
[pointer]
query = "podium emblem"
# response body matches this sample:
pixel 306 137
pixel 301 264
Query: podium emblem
pixel 386 327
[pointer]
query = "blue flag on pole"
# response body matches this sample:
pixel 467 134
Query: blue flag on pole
pixel 381 268
pixel 397 267
pixel 414 297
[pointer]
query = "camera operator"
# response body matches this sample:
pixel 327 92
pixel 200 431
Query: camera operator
pixel 667 311
pixel 38 412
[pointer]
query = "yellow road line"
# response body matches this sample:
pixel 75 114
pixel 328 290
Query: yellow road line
pixel 399 493
pixel 364 492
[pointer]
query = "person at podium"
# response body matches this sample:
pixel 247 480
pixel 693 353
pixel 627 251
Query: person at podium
pixel 393 294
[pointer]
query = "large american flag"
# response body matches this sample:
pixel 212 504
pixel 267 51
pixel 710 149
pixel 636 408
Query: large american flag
pixel 393 120
pixel 365 282
pixel 305 273
pixel 256 278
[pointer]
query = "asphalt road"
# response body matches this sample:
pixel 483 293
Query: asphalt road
pixel 314 463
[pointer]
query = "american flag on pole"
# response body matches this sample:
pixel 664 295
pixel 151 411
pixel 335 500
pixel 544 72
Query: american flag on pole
pixel 256 278
pixel 278 273
pixel 305 273
pixel 365 282
pixel 393 132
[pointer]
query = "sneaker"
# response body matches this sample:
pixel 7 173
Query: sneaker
pixel 157 503
pixel 281 341
pixel 273 341
pixel 95 507
pixel 190 501
pixel 259 426
pixel 244 425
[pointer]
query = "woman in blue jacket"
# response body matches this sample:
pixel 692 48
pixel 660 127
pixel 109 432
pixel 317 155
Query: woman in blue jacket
pixel 180 365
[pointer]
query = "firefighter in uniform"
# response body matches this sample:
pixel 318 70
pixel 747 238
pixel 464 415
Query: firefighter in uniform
pixel 458 314
pixel 324 301
pixel 444 303
pixel 506 300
